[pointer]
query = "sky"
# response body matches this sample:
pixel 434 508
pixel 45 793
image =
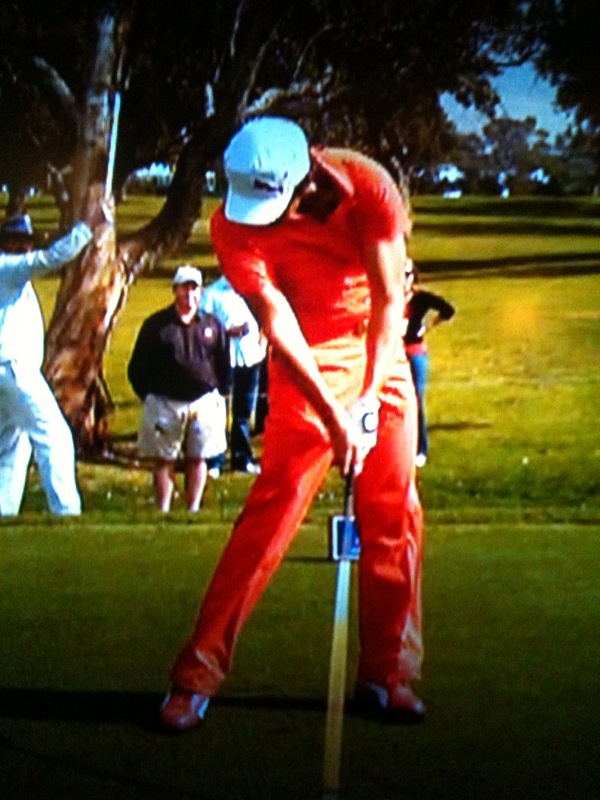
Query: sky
pixel 523 94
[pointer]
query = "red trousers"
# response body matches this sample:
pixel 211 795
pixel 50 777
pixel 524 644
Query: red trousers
pixel 296 459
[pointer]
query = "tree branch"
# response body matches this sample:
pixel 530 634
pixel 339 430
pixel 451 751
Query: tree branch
pixel 230 45
pixel 61 92
pixel 256 65
pixel 317 35
pixel 303 98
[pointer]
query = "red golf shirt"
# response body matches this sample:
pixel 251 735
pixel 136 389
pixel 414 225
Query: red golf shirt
pixel 319 267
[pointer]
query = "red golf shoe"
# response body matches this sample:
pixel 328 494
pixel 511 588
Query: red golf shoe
pixel 397 703
pixel 182 710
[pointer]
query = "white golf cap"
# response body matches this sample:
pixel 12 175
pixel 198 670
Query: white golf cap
pixel 264 162
pixel 187 274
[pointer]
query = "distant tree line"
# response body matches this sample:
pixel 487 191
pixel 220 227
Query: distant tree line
pixel 513 157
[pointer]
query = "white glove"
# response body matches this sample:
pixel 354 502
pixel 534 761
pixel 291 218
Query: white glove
pixel 364 412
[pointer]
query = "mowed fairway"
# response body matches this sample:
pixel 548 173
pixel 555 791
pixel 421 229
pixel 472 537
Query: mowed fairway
pixel 92 610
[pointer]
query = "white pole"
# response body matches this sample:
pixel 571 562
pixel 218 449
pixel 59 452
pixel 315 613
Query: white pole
pixel 112 151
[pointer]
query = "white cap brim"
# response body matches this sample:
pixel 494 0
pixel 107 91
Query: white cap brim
pixel 253 211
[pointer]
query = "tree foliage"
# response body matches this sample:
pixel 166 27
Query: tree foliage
pixel 507 144
pixel 564 36
pixel 367 71
pixel 362 72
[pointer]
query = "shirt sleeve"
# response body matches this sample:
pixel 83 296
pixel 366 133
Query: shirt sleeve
pixel 207 303
pixel 439 304
pixel 17 269
pixel 244 268
pixel 380 213
pixel 138 367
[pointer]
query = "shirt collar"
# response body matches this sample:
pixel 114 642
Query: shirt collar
pixel 334 166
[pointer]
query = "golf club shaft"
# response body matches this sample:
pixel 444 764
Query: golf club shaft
pixel 337 683
pixel 337 665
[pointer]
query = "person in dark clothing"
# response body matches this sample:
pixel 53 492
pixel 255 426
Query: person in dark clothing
pixel 418 304
pixel 180 369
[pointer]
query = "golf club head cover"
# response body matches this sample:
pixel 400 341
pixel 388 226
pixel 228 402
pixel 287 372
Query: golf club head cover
pixel 364 412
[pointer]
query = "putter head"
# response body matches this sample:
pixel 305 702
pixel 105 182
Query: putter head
pixel 344 540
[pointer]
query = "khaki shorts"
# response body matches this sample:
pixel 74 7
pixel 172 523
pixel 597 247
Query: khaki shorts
pixel 173 427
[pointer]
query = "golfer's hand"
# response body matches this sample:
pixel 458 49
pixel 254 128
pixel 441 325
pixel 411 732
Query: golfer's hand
pixel 364 412
pixel 345 441
pixel 354 434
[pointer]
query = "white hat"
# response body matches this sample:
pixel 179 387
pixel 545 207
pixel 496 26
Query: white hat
pixel 264 162
pixel 187 274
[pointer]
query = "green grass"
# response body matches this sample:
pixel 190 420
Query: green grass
pixel 96 615
pixel 93 610
pixel 522 234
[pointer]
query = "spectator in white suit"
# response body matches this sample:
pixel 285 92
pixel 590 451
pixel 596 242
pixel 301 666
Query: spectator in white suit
pixel 30 418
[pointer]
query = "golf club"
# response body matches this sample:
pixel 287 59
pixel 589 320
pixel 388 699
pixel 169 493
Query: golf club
pixel 344 548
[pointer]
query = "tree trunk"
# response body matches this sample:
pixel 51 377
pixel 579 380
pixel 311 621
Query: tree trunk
pixel 93 293
pixel 89 163
pixel 89 297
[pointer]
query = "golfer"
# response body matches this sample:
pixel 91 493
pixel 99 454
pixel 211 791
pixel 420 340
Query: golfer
pixel 313 239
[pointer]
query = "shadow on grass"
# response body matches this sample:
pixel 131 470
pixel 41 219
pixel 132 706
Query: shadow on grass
pixel 499 227
pixel 459 426
pixel 133 708
pixel 516 207
pixel 559 265
pixel 185 255
pixel 79 771
pixel 79 706
pixel 309 559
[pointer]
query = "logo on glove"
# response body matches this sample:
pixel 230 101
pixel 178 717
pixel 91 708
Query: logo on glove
pixel 369 422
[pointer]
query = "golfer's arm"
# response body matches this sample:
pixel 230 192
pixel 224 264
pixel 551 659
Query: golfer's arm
pixel 279 323
pixel 385 270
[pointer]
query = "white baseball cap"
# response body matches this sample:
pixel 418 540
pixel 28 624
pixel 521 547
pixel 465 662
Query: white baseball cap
pixel 187 274
pixel 264 162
